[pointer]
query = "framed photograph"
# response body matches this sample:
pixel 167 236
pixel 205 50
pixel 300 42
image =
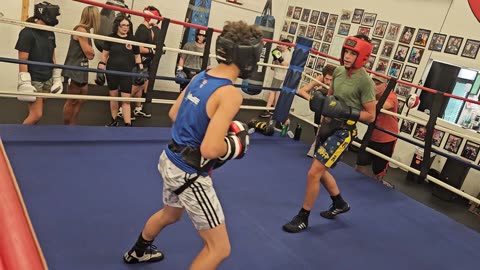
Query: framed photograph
pixel 319 33
pixel 311 30
pixel 328 35
pixel 314 17
pixel 363 30
pixel 302 30
pixel 370 62
pixel 401 104
pixel 325 48
pixel 402 90
pixel 471 48
pixel 387 49
pixel 357 15
pixel 323 18
pixel 316 46
pixel 437 137
pixel 401 53
pixel 332 21
pixel 407 126
pixel 407 35
pixel 297 13
pixel 420 132
pixel 293 28
pixel 394 70
pixel 380 29
pixel 376 45
pixel 453 45
pixel 453 143
pixel 408 73
pixel 346 15
pixel 305 15
pixel 285 26
pixel 290 11
pixel 437 41
pixel 416 55
pixel 291 38
pixel 393 31
pixel 311 62
pixel 320 64
pixel 382 65
pixel 422 37
pixel 470 150
pixel 344 29
pixel 368 19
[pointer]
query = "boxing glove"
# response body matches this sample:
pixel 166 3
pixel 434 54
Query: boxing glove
pixel 335 108
pixel 180 76
pixel 100 80
pixel 25 86
pixel 140 80
pixel 316 102
pixel 277 55
pixel 237 141
pixel 57 86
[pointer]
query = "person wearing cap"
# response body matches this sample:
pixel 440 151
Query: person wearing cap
pixel 380 141
pixel 189 65
pixel 351 98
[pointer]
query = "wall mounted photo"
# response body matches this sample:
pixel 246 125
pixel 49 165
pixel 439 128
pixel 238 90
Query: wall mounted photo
pixel 407 126
pixel 305 15
pixel 344 29
pixel 387 49
pixel 380 29
pixel 363 30
pixel 357 15
pixel 314 17
pixel 319 33
pixel 393 31
pixel 470 49
pixel 293 28
pixel 328 35
pixel 453 45
pixel 323 18
pixel 370 62
pixel 286 24
pixel 402 90
pixel 408 73
pixel 420 132
pixel 401 53
pixel 297 13
pixel 422 37
pixel 415 55
pixel 394 69
pixel 382 65
pixel 311 62
pixel 376 45
pixel 437 137
pixel 407 35
pixel 302 30
pixel 311 30
pixel 346 15
pixel 290 11
pixel 320 64
pixel 470 151
pixel 291 38
pixel 316 46
pixel 368 19
pixel 436 44
pixel 325 48
pixel 453 143
pixel 401 104
pixel 282 36
pixel 332 21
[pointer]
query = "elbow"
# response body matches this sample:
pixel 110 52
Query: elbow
pixel 212 151
pixel 370 118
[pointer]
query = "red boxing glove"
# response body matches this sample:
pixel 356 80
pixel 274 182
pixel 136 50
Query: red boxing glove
pixel 237 141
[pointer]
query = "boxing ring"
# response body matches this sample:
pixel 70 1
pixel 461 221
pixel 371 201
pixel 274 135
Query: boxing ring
pixel 69 202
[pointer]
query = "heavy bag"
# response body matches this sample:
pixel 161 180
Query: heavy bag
pixel 107 16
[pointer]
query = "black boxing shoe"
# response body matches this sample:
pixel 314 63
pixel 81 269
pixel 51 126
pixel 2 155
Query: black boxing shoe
pixel 151 254
pixel 297 224
pixel 333 211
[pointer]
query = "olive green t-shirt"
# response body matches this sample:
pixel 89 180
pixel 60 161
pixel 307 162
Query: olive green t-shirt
pixel 354 90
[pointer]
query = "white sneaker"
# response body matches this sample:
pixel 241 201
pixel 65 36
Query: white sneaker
pixel 311 152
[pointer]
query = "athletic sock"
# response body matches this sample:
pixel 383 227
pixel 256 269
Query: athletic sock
pixel 304 213
pixel 141 245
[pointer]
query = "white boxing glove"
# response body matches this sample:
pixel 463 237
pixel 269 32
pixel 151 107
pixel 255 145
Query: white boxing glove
pixel 25 86
pixel 57 86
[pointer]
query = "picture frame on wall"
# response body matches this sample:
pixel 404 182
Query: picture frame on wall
pixel 380 29
pixel 437 137
pixel 285 26
pixel 323 18
pixel 382 65
pixel 314 16
pixel 328 35
pixel 470 49
pixel 376 45
pixel 437 41
pixel 407 126
pixel 319 33
pixel 344 29
pixel 305 15
pixel 407 35
pixel 332 21
pixel 320 64
pixel 408 73
pixel 316 45
pixel 453 143
pixel 401 104
pixel 421 38
pixel 453 45
pixel 368 19
pixel 470 150
pixel 387 49
pixel 291 38
pixel 393 31
pixel 311 30
pixel 416 55
pixel 357 15
pixel 402 90
pixel 302 30
pixel 364 30
pixel 290 11
pixel 346 15
pixel 325 48
pixel 293 28
pixel 420 132
pixel 395 69
pixel 297 13
pixel 370 62
pixel 401 52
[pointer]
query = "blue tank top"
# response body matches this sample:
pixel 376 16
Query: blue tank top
pixel 192 119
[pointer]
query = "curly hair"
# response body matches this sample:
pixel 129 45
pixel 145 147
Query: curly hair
pixel 240 32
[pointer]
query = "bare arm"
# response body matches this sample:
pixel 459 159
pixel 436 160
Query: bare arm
pixel 85 45
pixel 104 57
pixel 367 115
pixel 174 109
pixel 229 100
pixel 23 56
pixel 54 59
pixel 305 90
pixel 181 61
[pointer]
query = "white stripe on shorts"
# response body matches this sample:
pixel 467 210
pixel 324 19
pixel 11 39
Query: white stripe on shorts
pixel 206 204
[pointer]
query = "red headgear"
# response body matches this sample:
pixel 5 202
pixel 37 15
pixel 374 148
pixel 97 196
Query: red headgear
pixel 362 47
pixel 151 11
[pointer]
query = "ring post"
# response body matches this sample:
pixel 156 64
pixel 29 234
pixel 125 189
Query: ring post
pixel 156 59
pixel 206 50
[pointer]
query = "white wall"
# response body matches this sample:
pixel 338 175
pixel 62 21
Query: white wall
pixel 70 16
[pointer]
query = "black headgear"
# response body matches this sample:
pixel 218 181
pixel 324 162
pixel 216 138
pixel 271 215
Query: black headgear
pixel 200 32
pixel 47 13
pixel 245 56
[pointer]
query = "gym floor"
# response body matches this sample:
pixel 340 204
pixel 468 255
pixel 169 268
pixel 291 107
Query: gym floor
pixel 96 113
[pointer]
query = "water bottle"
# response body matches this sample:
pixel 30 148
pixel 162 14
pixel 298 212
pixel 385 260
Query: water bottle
pixel 285 126
pixel 298 132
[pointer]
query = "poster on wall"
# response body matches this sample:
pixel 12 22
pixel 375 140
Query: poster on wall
pixel 470 151
pixel 453 45
pixel 436 44
pixel 471 48
pixel 393 31
pixel 422 37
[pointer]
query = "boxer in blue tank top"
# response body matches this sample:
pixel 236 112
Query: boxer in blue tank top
pixel 203 138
